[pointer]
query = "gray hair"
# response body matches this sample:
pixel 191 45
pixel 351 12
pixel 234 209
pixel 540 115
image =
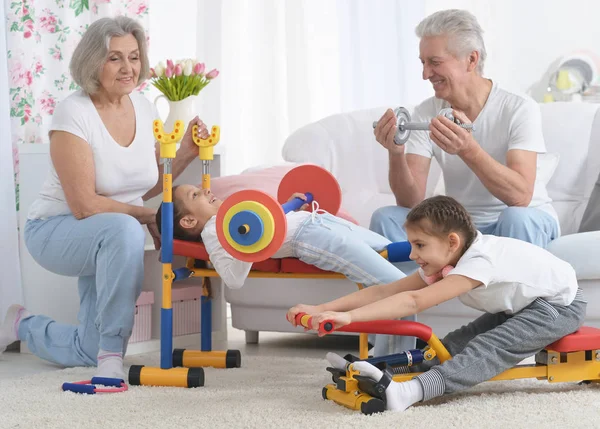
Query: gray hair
pixel 465 33
pixel 92 50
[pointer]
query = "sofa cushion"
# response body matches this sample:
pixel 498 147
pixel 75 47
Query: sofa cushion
pixel 546 166
pixel 573 131
pixel 591 216
pixel 569 130
pixel 580 250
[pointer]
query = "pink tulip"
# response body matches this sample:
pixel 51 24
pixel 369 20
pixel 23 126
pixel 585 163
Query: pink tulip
pixel 152 72
pixel 169 72
pixel 199 68
pixel 178 70
pixel 212 74
pixel 170 64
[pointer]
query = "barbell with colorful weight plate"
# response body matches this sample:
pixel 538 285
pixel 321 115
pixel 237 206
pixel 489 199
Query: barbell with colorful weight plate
pixel 251 225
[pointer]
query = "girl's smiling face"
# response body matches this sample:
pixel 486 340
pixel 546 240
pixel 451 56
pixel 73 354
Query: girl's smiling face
pixel 432 252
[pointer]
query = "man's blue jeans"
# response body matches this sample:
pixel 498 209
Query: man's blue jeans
pixel 524 223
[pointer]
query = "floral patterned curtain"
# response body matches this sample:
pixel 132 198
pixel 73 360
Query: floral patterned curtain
pixel 41 36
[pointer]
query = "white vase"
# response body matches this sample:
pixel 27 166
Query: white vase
pixel 183 110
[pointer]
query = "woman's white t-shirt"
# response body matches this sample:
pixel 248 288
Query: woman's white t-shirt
pixel 123 174
pixel 514 273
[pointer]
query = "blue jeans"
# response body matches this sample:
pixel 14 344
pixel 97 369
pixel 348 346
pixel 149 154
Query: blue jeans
pixel 106 252
pixel 524 223
pixel 334 244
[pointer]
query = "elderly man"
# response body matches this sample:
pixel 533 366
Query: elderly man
pixel 492 170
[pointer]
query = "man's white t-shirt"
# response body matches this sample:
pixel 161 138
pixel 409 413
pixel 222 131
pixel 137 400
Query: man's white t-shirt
pixel 513 273
pixel 123 174
pixel 507 121
pixel 234 272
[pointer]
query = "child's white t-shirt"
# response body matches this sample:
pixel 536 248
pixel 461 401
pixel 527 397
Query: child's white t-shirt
pixel 123 174
pixel 513 273
pixel 234 272
pixel 507 121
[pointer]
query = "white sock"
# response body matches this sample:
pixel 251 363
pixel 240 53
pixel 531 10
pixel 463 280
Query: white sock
pixel 10 328
pixel 110 365
pixel 399 396
pixel 336 361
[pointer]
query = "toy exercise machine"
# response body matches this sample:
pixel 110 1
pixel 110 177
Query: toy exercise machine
pixel 575 357
pixel 251 226
pixel 181 368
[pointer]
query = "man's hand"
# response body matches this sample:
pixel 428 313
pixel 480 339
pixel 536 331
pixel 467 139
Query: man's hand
pixel 386 130
pixel 302 197
pixel 450 137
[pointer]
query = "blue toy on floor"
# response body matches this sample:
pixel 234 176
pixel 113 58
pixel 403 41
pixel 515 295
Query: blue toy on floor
pixel 89 386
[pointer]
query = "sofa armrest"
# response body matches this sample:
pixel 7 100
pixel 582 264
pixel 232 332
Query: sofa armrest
pixel 580 250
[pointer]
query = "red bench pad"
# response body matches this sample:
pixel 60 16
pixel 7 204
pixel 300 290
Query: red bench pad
pixel 196 250
pixel 586 338
pixel 293 265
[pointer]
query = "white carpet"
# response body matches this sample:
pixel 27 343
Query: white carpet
pixel 283 393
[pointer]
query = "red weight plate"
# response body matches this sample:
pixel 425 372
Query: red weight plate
pixel 316 180
pixel 278 217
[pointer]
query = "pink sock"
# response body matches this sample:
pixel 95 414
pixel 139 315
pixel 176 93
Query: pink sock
pixel 9 331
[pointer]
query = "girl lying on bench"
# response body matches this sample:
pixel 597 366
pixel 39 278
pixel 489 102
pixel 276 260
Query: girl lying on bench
pixel 317 238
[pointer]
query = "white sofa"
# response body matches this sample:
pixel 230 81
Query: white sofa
pixel 345 145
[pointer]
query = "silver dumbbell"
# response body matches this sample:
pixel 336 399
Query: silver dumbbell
pixel 405 126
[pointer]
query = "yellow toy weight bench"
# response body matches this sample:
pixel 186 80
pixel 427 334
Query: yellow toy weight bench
pixel 251 226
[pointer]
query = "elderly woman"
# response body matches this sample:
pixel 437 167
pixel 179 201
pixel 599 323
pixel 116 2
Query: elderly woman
pixel 491 171
pixel 87 221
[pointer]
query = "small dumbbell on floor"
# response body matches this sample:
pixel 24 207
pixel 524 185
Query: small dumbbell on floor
pixel 405 126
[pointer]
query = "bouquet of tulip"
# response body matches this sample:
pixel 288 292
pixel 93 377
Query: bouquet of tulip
pixel 181 79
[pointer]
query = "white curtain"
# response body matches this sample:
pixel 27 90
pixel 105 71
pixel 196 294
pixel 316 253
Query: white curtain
pixel 10 279
pixel 288 63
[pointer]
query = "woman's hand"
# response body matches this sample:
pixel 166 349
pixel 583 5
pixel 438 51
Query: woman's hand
pixel 300 308
pixel 451 137
pixel 302 197
pixel 385 132
pixel 338 318
pixel 153 230
pixel 187 143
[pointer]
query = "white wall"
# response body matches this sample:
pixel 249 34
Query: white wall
pixel 524 36
pixel 168 42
